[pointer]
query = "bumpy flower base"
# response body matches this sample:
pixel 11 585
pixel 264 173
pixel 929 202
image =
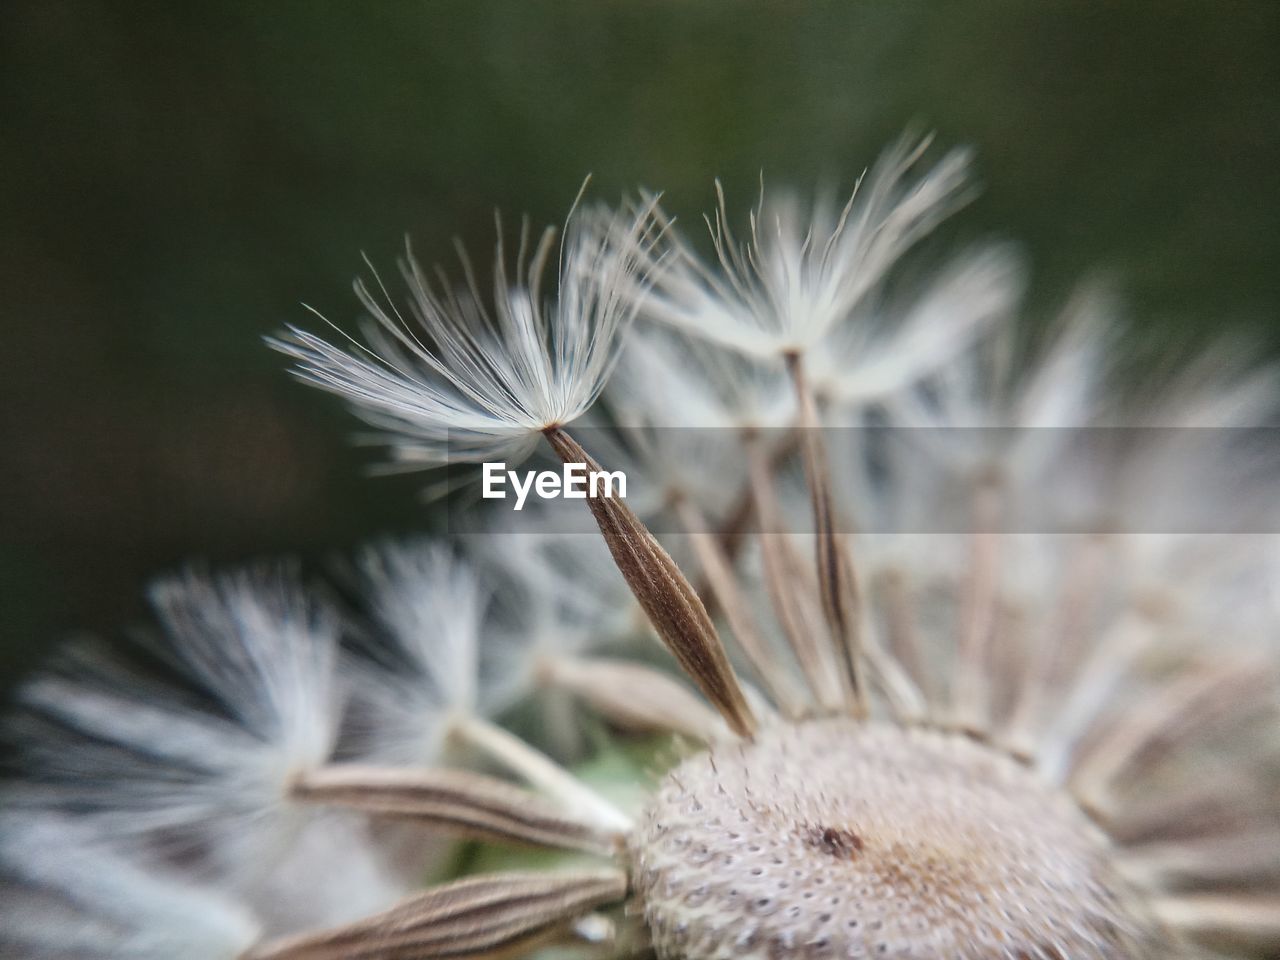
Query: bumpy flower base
pixel 834 839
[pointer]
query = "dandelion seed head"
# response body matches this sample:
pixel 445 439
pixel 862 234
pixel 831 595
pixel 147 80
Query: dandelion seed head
pixel 999 703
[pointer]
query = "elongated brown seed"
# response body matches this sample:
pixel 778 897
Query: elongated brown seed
pixel 1204 694
pixel 837 583
pixel 477 917
pixel 722 585
pixel 634 696
pixel 787 584
pixel 471 804
pixel 667 598
pixel 1229 922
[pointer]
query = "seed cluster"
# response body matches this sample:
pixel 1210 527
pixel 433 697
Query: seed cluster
pixel 830 839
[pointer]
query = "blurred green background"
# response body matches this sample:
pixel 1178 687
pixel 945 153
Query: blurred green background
pixel 178 177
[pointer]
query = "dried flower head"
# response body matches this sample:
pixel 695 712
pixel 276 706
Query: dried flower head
pixel 976 709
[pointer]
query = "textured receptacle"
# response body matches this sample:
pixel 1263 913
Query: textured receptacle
pixel 831 839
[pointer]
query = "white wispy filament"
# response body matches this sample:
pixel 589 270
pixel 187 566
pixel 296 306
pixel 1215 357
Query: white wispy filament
pixel 804 269
pixel 463 378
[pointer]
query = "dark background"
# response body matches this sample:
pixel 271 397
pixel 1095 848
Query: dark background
pixel 176 178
